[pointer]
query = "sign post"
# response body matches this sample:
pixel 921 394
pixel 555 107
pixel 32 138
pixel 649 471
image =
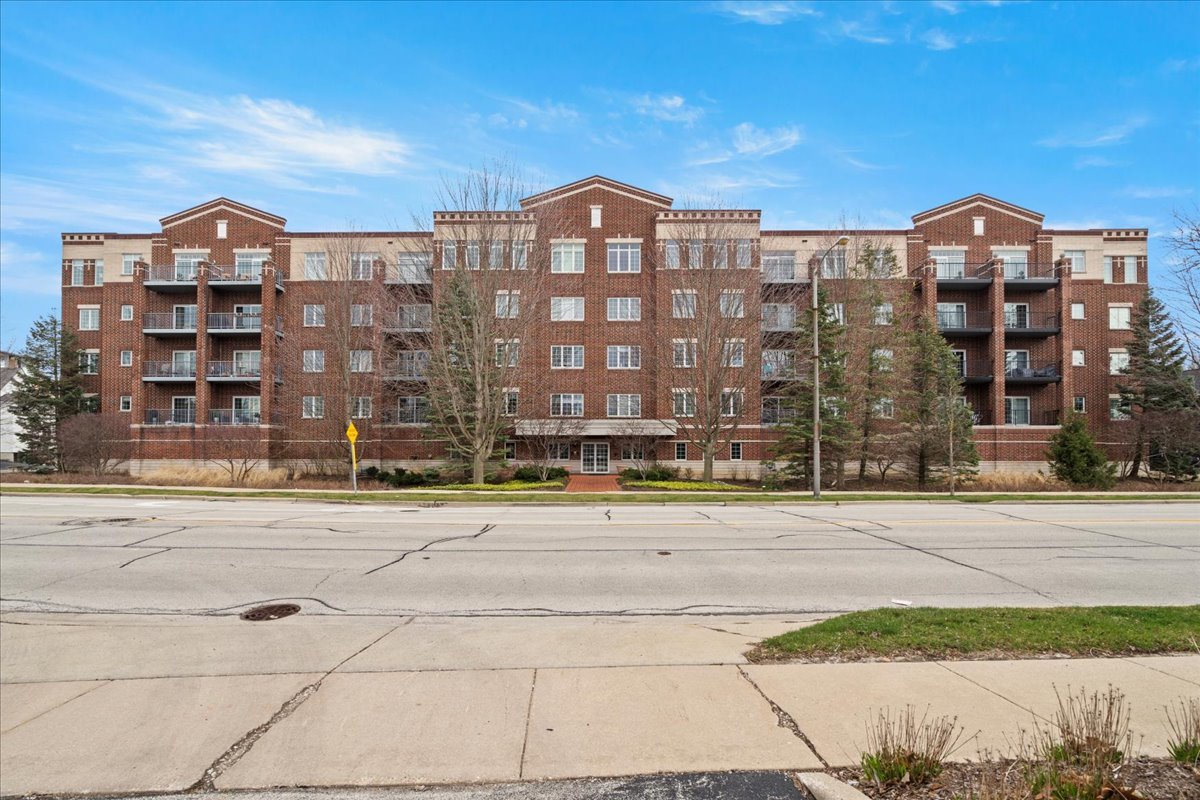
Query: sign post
pixel 352 437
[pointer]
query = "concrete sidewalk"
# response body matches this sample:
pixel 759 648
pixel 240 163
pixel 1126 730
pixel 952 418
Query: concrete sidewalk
pixel 92 703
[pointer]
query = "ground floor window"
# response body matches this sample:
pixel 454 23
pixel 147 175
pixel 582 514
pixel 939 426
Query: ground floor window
pixel 735 451
pixel 681 451
pixel 560 451
pixel 1016 411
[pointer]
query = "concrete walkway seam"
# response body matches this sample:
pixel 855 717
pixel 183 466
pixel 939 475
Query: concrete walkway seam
pixel 784 719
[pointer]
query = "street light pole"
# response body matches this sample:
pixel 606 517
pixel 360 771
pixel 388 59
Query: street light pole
pixel 814 268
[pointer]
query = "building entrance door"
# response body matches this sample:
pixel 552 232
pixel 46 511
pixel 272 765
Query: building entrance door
pixel 594 459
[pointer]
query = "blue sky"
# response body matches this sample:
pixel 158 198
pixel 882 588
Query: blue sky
pixel 114 115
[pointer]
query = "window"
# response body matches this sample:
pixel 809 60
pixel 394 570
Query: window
pixel 952 315
pixel 1108 269
pixel 778 316
pixel 720 250
pixel 510 451
pixel 778 364
pixel 1016 264
pixel 633 452
pixel 222 229
pixel 624 309
pixel 671 259
pixel 412 410
pixel 360 408
pixel 624 405
pixel 314 361
pixel 361 361
pixel 1016 411
pixel 733 305
pixel 779 265
pixel 249 266
pixel 89 319
pixel 1076 259
pixel 558 451
pixel 977 226
pixel 129 262
pixel 510 351
pixel 508 304
pixel 744 254
pixel 882 356
pixel 833 264
pixel 1130 269
pixel 1077 311
pixel 735 451
pixel 684 351
pixel 362 266
pixel 512 399
pixel 314 316
pixel 473 255
pixel 496 255
pixel 1016 363
pixel 187 265
pixel 1119 318
pixel 1118 409
pixel 695 254
pixel 312 407
pixel 681 451
pixel 776 410
pixel 126 358
pixel 684 402
pixel 566 309
pixel 314 267
pixel 624 257
pixel 1077 359
pixel 566 257
pixel 126 403
pixel 90 404
pixel 520 254
pixel 596 216
pixel 247 363
pixel 98 273
pixel 1079 405
pixel 566 356
pixel 77 272
pixel 449 255
pixel 731 402
pixel 566 405
pixel 360 315
pixel 89 362
pixel 883 314
pixel 683 303
pixel 624 356
pixel 1118 362
pixel 1016 315
pixel 881 266
pixel 126 313
pixel 884 408
pixel 951 264
pixel 733 354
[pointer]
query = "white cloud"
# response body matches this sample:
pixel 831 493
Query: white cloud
pixel 1092 136
pixel 30 204
pixel 498 120
pixel 667 108
pixel 855 30
pixel 949 6
pixel 757 142
pixel 1155 192
pixel 1175 65
pixel 766 12
pixel 938 39
pixel 547 115
pixel 28 271
pixel 1083 162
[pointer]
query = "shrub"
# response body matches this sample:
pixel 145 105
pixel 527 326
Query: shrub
pixel 686 486
pixel 535 473
pixel 654 472
pixel 1184 722
pixel 1088 731
pixel 905 749
pixel 1076 458
pixel 507 486
pixel 371 472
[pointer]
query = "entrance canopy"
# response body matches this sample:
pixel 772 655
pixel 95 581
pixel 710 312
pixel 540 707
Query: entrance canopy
pixel 606 427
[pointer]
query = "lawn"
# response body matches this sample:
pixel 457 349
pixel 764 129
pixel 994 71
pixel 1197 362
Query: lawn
pixel 983 633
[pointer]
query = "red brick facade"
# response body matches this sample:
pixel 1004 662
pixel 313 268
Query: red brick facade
pixel 1018 360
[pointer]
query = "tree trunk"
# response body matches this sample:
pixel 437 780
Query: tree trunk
pixel 478 461
pixel 1135 465
pixel 922 470
pixel 708 461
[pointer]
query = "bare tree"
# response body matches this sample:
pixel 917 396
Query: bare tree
pixel 1184 284
pixel 97 443
pixel 636 443
pixel 490 256
pixel 238 450
pixel 709 265
pixel 542 436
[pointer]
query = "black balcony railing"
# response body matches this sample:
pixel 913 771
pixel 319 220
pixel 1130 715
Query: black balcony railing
pixel 1028 271
pixel 249 274
pixel 1032 372
pixel 168 369
pixel 172 273
pixel 1021 320
pixel 962 319
pixel 250 323
pixel 975 369
pixel 244 370
pixel 170 416
pixel 169 321
pixel 234 416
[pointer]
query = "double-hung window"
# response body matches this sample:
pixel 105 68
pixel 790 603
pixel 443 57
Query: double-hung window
pixel 883 314
pixel 360 315
pixel 833 265
pixel 520 254
pixel 733 304
pixel 683 402
pixel 566 356
pixel 315 267
pixel 129 262
pixel 744 254
pixel 566 257
pixel 683 303
pixel 624 356
pixel 361 361
pixel 508 303
pixel 671 254
pixel 624 309
pixel 98 273
pixel 1077 260
pixel 362 266
pixel 508 353
pixel 731 402
pixel 624 257
pixel 1118 362
pixel 496 255
pixel 449 255
pixel 314 315
pixel 360 408
pixel 314 361
pixel 684 352
pixel 566 309
pixel 89 362
pixel 312 407
pixel 734 353
pixel 624 405
pixel 77 272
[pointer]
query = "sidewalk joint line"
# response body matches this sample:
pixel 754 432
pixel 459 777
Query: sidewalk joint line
pixel 990 691
pixel 784 719
pixel 528 722
pixel 1130 659
pixel 99 684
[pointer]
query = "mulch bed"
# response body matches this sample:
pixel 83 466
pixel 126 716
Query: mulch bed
pixel 1152 778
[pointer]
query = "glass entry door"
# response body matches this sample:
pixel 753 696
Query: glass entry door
pixel 594 459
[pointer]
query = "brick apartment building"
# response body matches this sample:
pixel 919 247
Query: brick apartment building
pixel 213 323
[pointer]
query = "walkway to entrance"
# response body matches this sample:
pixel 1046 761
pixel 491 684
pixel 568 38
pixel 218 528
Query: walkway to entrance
pixel 593 483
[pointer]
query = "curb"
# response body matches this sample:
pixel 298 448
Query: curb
pixel 826 787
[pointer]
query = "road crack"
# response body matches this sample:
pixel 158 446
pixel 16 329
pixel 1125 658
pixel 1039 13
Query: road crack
pixel 784 719
pixel 425 547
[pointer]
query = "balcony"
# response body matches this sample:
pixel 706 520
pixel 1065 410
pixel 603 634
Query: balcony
pixel 780 268
pixel 777 318
pixel 227 323
pixel 960 322
pixel 412 365
pixel 233 416
pixel 975 371
pixel 234 371
pixel 172 277
pixel 169 416
pixel 963 277
pixel 1032 374
pixel 169 324
pixel 168 372
pixel 1024 276
pixel 408 411
pixel 242 276
pixel 778 369
pixel 408 274
pixel 1026 324
pixel 410 319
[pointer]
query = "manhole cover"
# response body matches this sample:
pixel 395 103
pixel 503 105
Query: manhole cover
pixel 268 613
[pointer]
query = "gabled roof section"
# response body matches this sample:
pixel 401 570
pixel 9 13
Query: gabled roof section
pixel 597 182
pixel 224 204
pixel 978 200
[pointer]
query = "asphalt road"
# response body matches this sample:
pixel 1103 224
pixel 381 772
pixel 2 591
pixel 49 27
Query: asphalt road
pixel 204 556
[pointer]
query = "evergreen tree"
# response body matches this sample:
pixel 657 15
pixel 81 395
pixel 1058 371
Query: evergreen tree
pixel 1076 458
pixel 838 434
pixel 1156 386
pixel 937 424
pixel 47 390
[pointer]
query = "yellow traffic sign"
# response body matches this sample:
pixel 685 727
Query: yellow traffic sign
pixel 352 433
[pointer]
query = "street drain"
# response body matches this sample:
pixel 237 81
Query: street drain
pixel 268 613
pixel 664 552
pixel 90 521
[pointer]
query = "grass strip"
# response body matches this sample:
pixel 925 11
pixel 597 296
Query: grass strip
pixel 920 634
